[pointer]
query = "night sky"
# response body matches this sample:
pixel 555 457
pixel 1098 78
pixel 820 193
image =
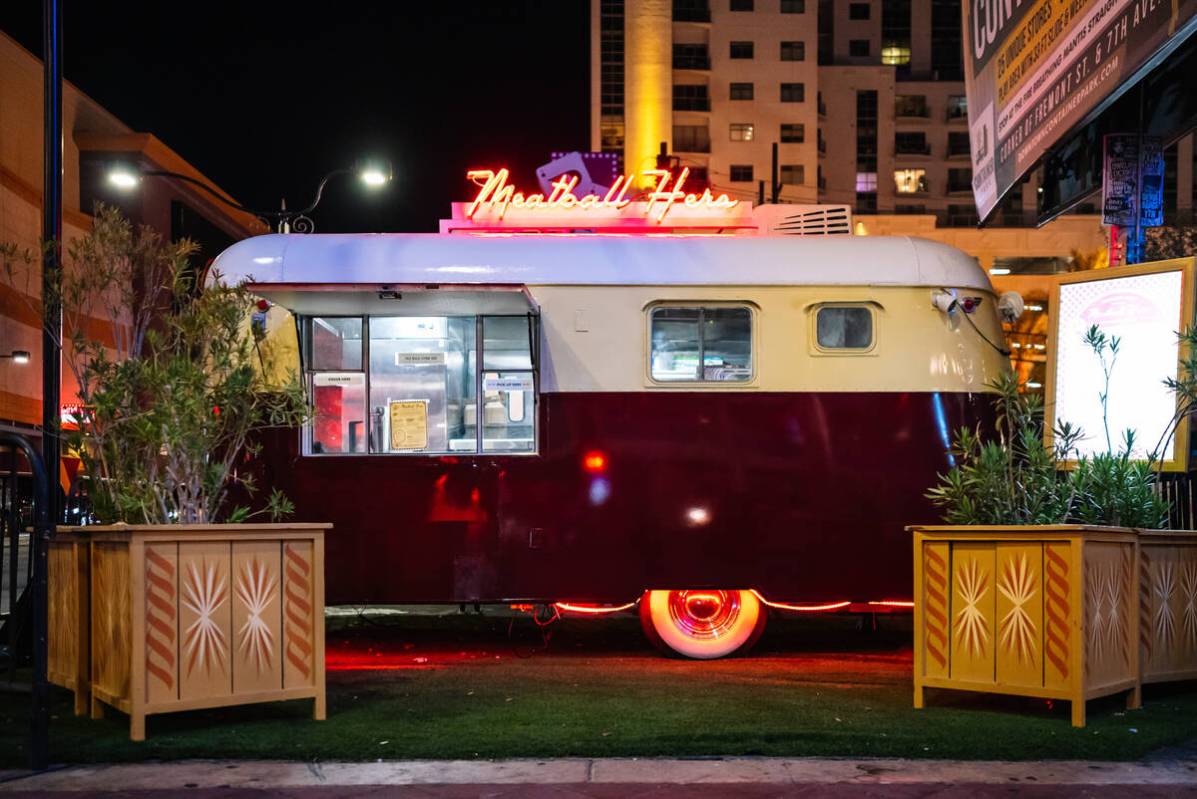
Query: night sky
pixel 265 98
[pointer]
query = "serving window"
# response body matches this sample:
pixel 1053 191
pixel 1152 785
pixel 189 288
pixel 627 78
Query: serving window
pixel 700 344
pixel 411 384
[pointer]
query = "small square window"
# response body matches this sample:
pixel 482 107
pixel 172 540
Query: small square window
pixel 844 327
pixel 866 182
pixel 741 91
pixel 793 6
pixel 858 48
pixel 741 49
pixel 741 173
pixel 741 131
pixel 740 5
pixel 793 92
pixel 793 51
pixel 859 11
pixel 794 133
pixel 793 174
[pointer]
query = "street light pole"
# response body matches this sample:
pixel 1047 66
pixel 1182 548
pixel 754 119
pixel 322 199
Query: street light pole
pixel 282 220
pixel 51 365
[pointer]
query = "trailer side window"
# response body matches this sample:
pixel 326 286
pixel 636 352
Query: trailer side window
pixel 334 350
pixel 844 327
pixel 701 344
pixel 407 385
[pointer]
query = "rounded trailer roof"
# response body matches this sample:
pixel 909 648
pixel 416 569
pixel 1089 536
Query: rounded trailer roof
pixel 596 259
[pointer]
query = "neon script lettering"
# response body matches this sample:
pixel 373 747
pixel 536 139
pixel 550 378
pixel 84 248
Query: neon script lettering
pixel 497 196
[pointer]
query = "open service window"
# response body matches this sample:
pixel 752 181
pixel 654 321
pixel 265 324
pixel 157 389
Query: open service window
pixel 410 385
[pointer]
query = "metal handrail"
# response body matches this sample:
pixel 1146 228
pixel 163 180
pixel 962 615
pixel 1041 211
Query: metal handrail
pixel 39 542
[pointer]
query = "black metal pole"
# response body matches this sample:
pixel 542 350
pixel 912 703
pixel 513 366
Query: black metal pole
pixel 51 365
pixel 776 187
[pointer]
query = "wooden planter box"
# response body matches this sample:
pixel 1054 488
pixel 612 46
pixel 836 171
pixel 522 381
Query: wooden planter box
pixel 195 616
pixel 1041 611
pixel 1168 605
pixel 68 621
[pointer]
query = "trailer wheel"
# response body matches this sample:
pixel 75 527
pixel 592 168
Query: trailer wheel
pixel 702 624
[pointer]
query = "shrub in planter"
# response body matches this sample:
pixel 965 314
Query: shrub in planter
pixel 188 605
pixel 1032 586
pixel 170 402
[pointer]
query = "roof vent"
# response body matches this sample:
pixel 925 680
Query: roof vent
pixel 804 220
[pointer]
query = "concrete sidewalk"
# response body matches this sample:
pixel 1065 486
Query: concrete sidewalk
pixel 739 777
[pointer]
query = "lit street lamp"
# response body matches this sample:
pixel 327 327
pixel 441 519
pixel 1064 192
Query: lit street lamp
pixel 374 175
pixel 18 356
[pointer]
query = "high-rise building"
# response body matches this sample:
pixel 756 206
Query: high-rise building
pixel 863 98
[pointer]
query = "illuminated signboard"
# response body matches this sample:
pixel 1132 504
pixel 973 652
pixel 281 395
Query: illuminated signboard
pixel 1035 68
pixel 1144 306
pixel 496 198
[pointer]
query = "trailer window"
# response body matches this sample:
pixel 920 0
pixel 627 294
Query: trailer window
pixel 844 327
pixel 410 384
pixel 717 338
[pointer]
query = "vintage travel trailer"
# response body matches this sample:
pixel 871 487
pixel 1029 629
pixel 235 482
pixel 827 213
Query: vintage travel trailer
pixel 705 425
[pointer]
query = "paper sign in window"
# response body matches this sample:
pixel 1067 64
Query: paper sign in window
pixel 509 383
pixel 409 424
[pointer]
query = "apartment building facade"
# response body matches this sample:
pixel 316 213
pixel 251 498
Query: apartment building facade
pixel 864 99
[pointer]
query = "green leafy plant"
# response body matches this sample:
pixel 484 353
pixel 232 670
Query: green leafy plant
pixel 1011 478
pixel 173 396
pixel 1014 478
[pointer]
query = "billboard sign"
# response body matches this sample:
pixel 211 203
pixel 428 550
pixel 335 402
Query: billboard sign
pixel 1144 306
pixel 1034 68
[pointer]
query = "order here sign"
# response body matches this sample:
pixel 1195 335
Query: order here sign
pixel 1034 68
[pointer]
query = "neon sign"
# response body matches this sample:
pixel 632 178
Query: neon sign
pixel 496 196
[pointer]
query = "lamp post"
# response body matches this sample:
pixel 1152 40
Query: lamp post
pixel 285 220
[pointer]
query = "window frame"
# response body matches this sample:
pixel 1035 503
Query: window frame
pixel 746 131
pixel 719 385
pixel 745 46
pixel 304 323
pixel 872 306
pixel 792 47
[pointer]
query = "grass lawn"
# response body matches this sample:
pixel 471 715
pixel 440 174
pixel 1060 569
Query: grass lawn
pixel 463 687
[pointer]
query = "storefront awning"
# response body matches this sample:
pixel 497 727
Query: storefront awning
pixel 342 300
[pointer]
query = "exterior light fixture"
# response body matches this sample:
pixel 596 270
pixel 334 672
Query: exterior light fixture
pixel 123 178
pixel 18 356
pixel 374 174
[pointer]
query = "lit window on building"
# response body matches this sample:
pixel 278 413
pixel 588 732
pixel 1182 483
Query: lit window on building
pixel 741 173
pixel 910 181
pixel 895 55
pixel 866 181
pixel 957 106
pixel 741 131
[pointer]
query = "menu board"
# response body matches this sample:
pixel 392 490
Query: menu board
pixel 1035 68
pixel 1144 306
pixel 409 424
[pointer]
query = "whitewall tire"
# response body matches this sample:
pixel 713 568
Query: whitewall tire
pixel 702 624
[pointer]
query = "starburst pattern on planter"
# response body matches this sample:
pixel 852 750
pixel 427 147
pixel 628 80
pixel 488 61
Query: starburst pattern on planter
pixel 203 594
pixel 255 589
pixel 1165 620
pixel 972 629
pixel 1018 631
pixel 1188 593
